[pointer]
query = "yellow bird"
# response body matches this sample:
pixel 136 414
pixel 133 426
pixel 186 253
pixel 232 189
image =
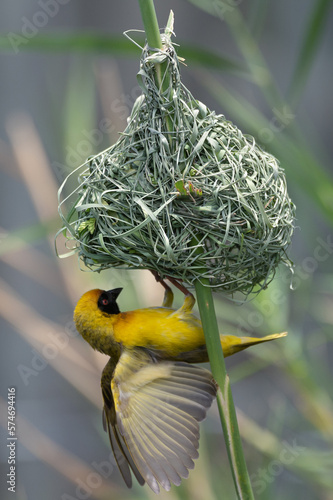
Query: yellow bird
pixel 153 398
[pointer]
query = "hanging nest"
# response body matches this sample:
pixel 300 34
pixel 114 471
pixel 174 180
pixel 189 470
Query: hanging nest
pixel 182 192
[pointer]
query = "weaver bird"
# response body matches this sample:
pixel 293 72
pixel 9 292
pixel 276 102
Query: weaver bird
pixel 153 397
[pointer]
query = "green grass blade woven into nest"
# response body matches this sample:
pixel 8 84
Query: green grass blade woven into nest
pixel 180 174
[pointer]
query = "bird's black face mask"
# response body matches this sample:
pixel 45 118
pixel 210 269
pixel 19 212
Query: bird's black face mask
pixel 107 301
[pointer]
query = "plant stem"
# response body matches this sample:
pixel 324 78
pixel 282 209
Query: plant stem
pixel 206 304
pixel 224 399
pixel 150 23
pixel 154 41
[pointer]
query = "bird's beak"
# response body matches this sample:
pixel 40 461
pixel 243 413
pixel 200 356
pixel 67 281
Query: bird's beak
pixel 114 293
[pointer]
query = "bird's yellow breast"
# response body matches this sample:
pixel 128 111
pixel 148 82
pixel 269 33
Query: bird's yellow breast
pixel 158 328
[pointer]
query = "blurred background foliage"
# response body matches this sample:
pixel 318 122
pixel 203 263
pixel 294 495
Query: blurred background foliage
pixel 68 82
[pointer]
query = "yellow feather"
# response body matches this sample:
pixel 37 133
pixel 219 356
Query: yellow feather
pixel 173 332
pixel 153 397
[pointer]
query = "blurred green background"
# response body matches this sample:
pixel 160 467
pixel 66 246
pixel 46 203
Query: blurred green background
pixel 68 81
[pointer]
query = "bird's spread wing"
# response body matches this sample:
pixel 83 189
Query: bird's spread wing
pixel 120 452
pixel 157 409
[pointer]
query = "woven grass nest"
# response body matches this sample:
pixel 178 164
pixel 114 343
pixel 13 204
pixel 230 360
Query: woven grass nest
pixel 182 192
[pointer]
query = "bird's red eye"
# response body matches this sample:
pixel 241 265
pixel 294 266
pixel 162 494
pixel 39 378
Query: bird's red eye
pixel 105 302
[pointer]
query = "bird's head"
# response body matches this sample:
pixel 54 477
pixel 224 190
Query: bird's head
pixel 99 300
pixel 107 301
pixel 93 314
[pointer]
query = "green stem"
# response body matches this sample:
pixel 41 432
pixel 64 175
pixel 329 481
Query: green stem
pixel 224 399
pixel 150 23
pixel 154 41
pixel 206 305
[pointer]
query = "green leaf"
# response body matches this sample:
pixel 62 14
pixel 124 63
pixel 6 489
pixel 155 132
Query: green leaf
pixel 87 225
pixel 181 187
pixel 80 112
pixel 310 44
pixel 215 8
pixel 258 16
pixel 119 45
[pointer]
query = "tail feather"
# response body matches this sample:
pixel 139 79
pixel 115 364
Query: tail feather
pixel 232 344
